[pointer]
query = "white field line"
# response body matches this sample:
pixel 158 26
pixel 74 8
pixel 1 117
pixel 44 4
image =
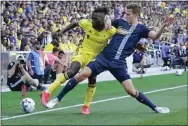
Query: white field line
pixel 95 102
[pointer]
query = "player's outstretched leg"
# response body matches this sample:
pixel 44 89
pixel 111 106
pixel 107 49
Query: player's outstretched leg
pixel 89 94
pixel 75 66
pixel 129 88
pixel 69 86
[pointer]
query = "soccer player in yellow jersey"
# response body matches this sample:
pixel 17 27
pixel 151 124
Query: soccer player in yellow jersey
pixel 96 38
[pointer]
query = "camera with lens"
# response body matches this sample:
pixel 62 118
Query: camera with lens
pixel 22 62
pixel 21 59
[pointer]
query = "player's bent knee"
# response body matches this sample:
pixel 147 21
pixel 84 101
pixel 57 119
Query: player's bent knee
pixel 85 73
pixel 82 76
pixel 132 93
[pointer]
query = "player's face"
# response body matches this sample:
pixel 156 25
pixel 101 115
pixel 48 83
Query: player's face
pixel 129 16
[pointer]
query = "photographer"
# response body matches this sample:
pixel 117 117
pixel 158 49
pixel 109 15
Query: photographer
pixel 139 60
pixel 17 76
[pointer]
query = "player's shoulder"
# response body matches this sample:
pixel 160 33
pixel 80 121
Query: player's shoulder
pixel 85 22
pixel 142 26
pixel 121 20
pixel 111 31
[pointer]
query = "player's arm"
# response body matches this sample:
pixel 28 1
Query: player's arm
pixel 112 30
pixel 156 34
pixel 69 27
pixel 11 69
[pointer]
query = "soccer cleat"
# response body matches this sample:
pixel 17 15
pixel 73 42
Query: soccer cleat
pixel 52 103
pixel 85 110
pixel 162 110
pixel 44 98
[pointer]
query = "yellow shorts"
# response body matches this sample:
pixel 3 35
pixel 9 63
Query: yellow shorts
pixel 82 58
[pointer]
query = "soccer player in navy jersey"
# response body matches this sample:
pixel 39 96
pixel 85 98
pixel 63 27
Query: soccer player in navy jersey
pixel 112 58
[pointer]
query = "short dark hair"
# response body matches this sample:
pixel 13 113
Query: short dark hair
pixel 55 49
pixel 61 52
pixel 135 8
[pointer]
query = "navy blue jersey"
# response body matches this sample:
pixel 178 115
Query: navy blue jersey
pixel 121 46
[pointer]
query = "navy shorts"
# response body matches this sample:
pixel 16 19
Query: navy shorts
pixel 117 68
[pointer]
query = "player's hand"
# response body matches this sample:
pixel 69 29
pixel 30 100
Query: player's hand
pixel 168 20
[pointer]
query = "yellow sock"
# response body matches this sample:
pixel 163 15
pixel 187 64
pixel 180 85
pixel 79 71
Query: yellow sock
pixel 59 80
pixel 89 95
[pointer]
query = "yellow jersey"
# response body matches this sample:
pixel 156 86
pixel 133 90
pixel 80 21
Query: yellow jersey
pixel 41 30
pixel 94 41
pixel 63 46
pixel 48 47
pixel 72 47
pixel 18 42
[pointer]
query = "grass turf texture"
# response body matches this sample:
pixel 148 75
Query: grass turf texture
pixel 126 111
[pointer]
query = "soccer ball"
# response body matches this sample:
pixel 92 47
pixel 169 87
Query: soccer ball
pixel 27 105
pixel 179 72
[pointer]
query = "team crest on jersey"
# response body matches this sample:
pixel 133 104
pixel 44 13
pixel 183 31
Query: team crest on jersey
pixel 122 31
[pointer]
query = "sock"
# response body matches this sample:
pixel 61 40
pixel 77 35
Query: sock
pixel 68 87
pixel 89 94
pixel 143 99
pixel 61 79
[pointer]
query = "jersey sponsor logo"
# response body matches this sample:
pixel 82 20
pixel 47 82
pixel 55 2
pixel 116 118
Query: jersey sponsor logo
pixel 94 40
pixel 122 31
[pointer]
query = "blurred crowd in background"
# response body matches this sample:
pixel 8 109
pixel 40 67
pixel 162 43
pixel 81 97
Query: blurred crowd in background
pixel 25 22
pixel 32 26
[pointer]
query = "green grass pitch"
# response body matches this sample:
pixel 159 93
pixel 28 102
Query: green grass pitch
pixel 124 111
